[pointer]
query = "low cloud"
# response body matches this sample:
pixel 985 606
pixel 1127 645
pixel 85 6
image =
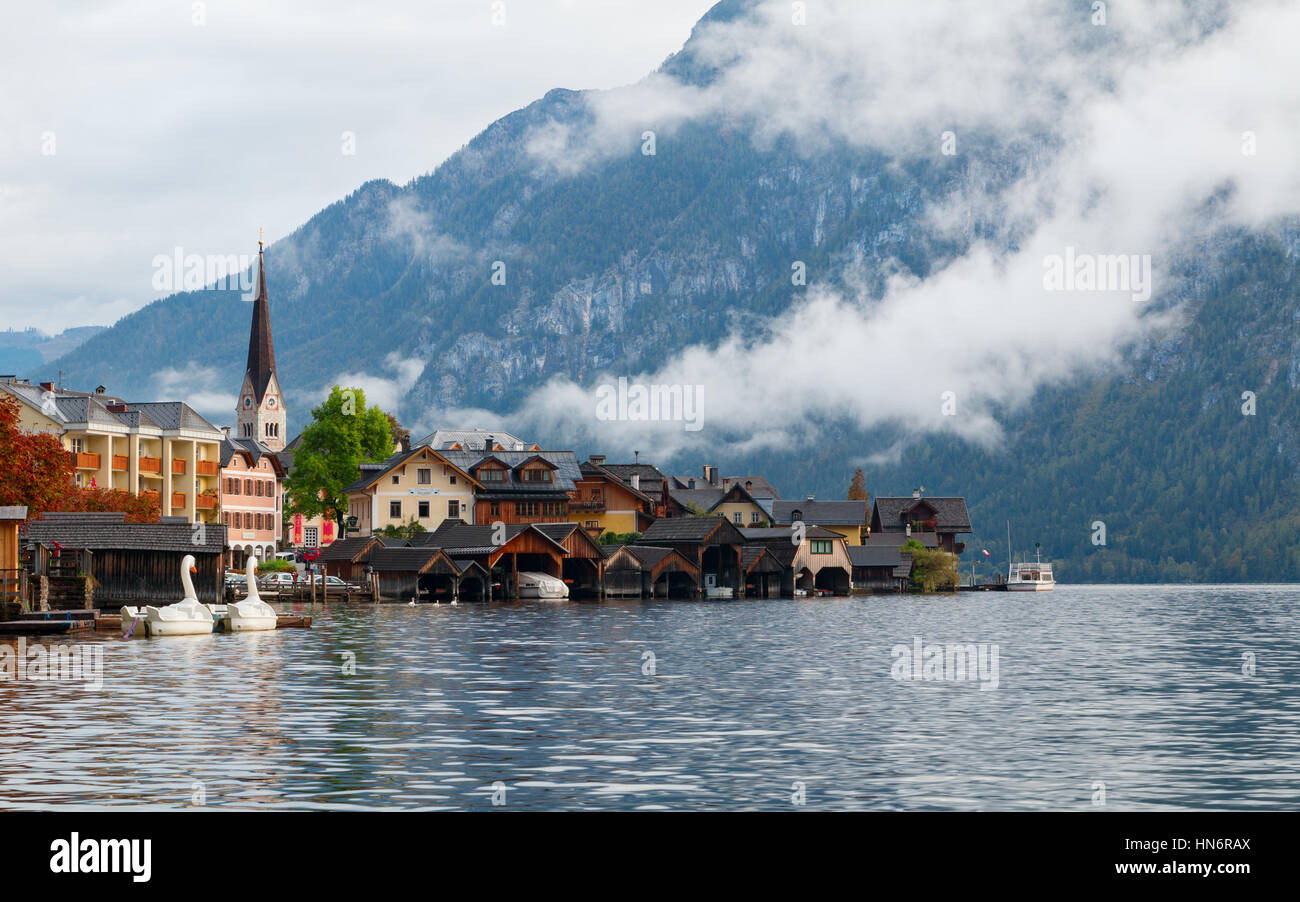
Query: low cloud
pixel 1150 132
pixel 386 392
pixel 201 387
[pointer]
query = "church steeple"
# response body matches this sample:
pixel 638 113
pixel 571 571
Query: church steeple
pixel 261 350
pixel 261 414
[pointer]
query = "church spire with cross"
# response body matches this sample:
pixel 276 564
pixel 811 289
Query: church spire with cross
pixel 261 413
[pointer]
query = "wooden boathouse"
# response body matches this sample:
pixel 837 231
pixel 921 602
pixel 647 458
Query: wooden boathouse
pixel 712 543
pixel 347 558
pixel 430 574
pixel 110 562
pixel 647 571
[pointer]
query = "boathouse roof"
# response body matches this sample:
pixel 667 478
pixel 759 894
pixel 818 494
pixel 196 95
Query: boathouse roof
pixel 109 531
pixel 691 531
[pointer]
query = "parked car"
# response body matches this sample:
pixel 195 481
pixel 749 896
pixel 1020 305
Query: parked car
pixel 279 579
pixel 334 585
pixel 236 579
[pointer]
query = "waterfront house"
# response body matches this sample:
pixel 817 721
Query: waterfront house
pixel 817 559
pixel 848 518
pixel 642 477
pixel 251 493
pixel 943 517
pixel 416 484
pixel 134 563
pixel 712 543
pixel 602 502
pixel 650 571
pixel 741 508
pixel 762 570
pixel 503 550
pixel 163 450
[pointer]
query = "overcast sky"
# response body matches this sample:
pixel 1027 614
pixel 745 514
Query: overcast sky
pixel 127 130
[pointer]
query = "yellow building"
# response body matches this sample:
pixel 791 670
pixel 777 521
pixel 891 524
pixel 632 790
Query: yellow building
pixel 163 449
pixel 417 483
pixel 739 507
pixel 848 518
pixel 602 502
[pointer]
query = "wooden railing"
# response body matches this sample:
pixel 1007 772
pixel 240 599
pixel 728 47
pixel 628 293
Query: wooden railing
pixel 178 499
pixel 597 504
pixel 150 464
pixel 84 460
pixel 13 586
pixel 120 462
pixel 207 467
pixel 205 502
pixel 178 466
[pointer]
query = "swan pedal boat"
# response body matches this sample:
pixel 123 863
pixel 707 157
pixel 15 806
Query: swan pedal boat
pixel 252 613
pixel 187 617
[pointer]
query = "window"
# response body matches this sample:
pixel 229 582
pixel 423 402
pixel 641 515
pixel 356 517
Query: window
pixel 754 517
pixel 257 521
pixel 496 508
pixel 736 517
pixel 525 508
pixel 591 524
pixel 248 486
pixel 424 510
pixel 537 474
pixel 225 518
pixel 821 546
pixel 451 480
pixel 234 486
pixel 453 509
pixel 424 476
pixel 395 509
pixel 258 484
pixel 77 446
pixel 396 479
pixel 309 536
pixel 492 475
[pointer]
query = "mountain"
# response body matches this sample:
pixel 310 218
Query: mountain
pixel 615 264
pixel 30 349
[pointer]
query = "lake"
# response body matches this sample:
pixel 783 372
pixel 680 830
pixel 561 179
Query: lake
pixel 1118 697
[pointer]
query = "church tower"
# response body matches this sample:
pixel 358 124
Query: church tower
pixel 261 414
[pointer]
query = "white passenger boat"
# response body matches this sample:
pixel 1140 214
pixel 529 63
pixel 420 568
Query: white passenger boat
pixel 188 617
pixel 252 613
pixel 719 592
pixel 542 586
pixel 1030 576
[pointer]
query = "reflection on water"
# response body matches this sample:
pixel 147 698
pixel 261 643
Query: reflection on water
pixel 1139 688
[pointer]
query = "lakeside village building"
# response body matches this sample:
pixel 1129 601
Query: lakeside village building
pixel 696 533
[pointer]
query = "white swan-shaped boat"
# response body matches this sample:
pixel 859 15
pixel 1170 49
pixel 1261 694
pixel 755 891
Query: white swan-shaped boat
pixel 252 613
pixel 188 617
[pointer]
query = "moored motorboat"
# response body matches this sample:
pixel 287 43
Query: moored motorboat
pixel 719 592
pixel 252 613
pixel 188 617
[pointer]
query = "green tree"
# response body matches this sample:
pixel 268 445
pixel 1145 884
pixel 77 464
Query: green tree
pixel 932 568
pixel 343 434
pixel 405 531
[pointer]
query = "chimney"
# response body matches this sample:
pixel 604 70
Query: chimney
pixel 690 483
pixel 48 386
pixel 487 444
pixel 749 485
pixel 916 493
pixel 597 459
pixel 226 431
pixel 909 530
pixel 636 481
pixel 711 474
pixel 810 497
pixel 99 389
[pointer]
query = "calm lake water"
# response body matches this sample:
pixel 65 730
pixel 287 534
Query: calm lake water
pixel 1139 688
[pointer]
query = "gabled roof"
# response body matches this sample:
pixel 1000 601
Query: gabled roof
pixel 651 479
pixel 645 557
pixel 357 548
pixel 875 555
pixel 702 500
pixel 173 415
pixel 837 513
pixel 758 486
pixel 408 560
pixel 899 539
pixel 474 539
pixel 691 531
pixel 597 471
pixel 759 558
pixel 109 531
pixel 13 512
pixel 372 472
pixel 251 450
pixel 784 534
pixel 736 494
pixel 950 513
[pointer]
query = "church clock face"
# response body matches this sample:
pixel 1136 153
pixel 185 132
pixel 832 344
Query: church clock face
pixel 248 402
pixel 270 402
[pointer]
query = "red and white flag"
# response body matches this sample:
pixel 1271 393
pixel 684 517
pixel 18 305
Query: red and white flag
pixel 986 552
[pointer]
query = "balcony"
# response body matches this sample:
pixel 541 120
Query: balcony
pixel 84 460
pixel 205 502
pixel 120 461
pixel 151 465
pixel 178 500
pixel 590 505
pixel 152 496
pixel 206 467
pixel 178 466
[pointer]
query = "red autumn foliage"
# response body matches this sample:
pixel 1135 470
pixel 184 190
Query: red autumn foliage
pixel 34 468
pixel 138 508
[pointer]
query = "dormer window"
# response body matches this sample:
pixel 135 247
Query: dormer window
pixel 537 475
pixel 492 475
